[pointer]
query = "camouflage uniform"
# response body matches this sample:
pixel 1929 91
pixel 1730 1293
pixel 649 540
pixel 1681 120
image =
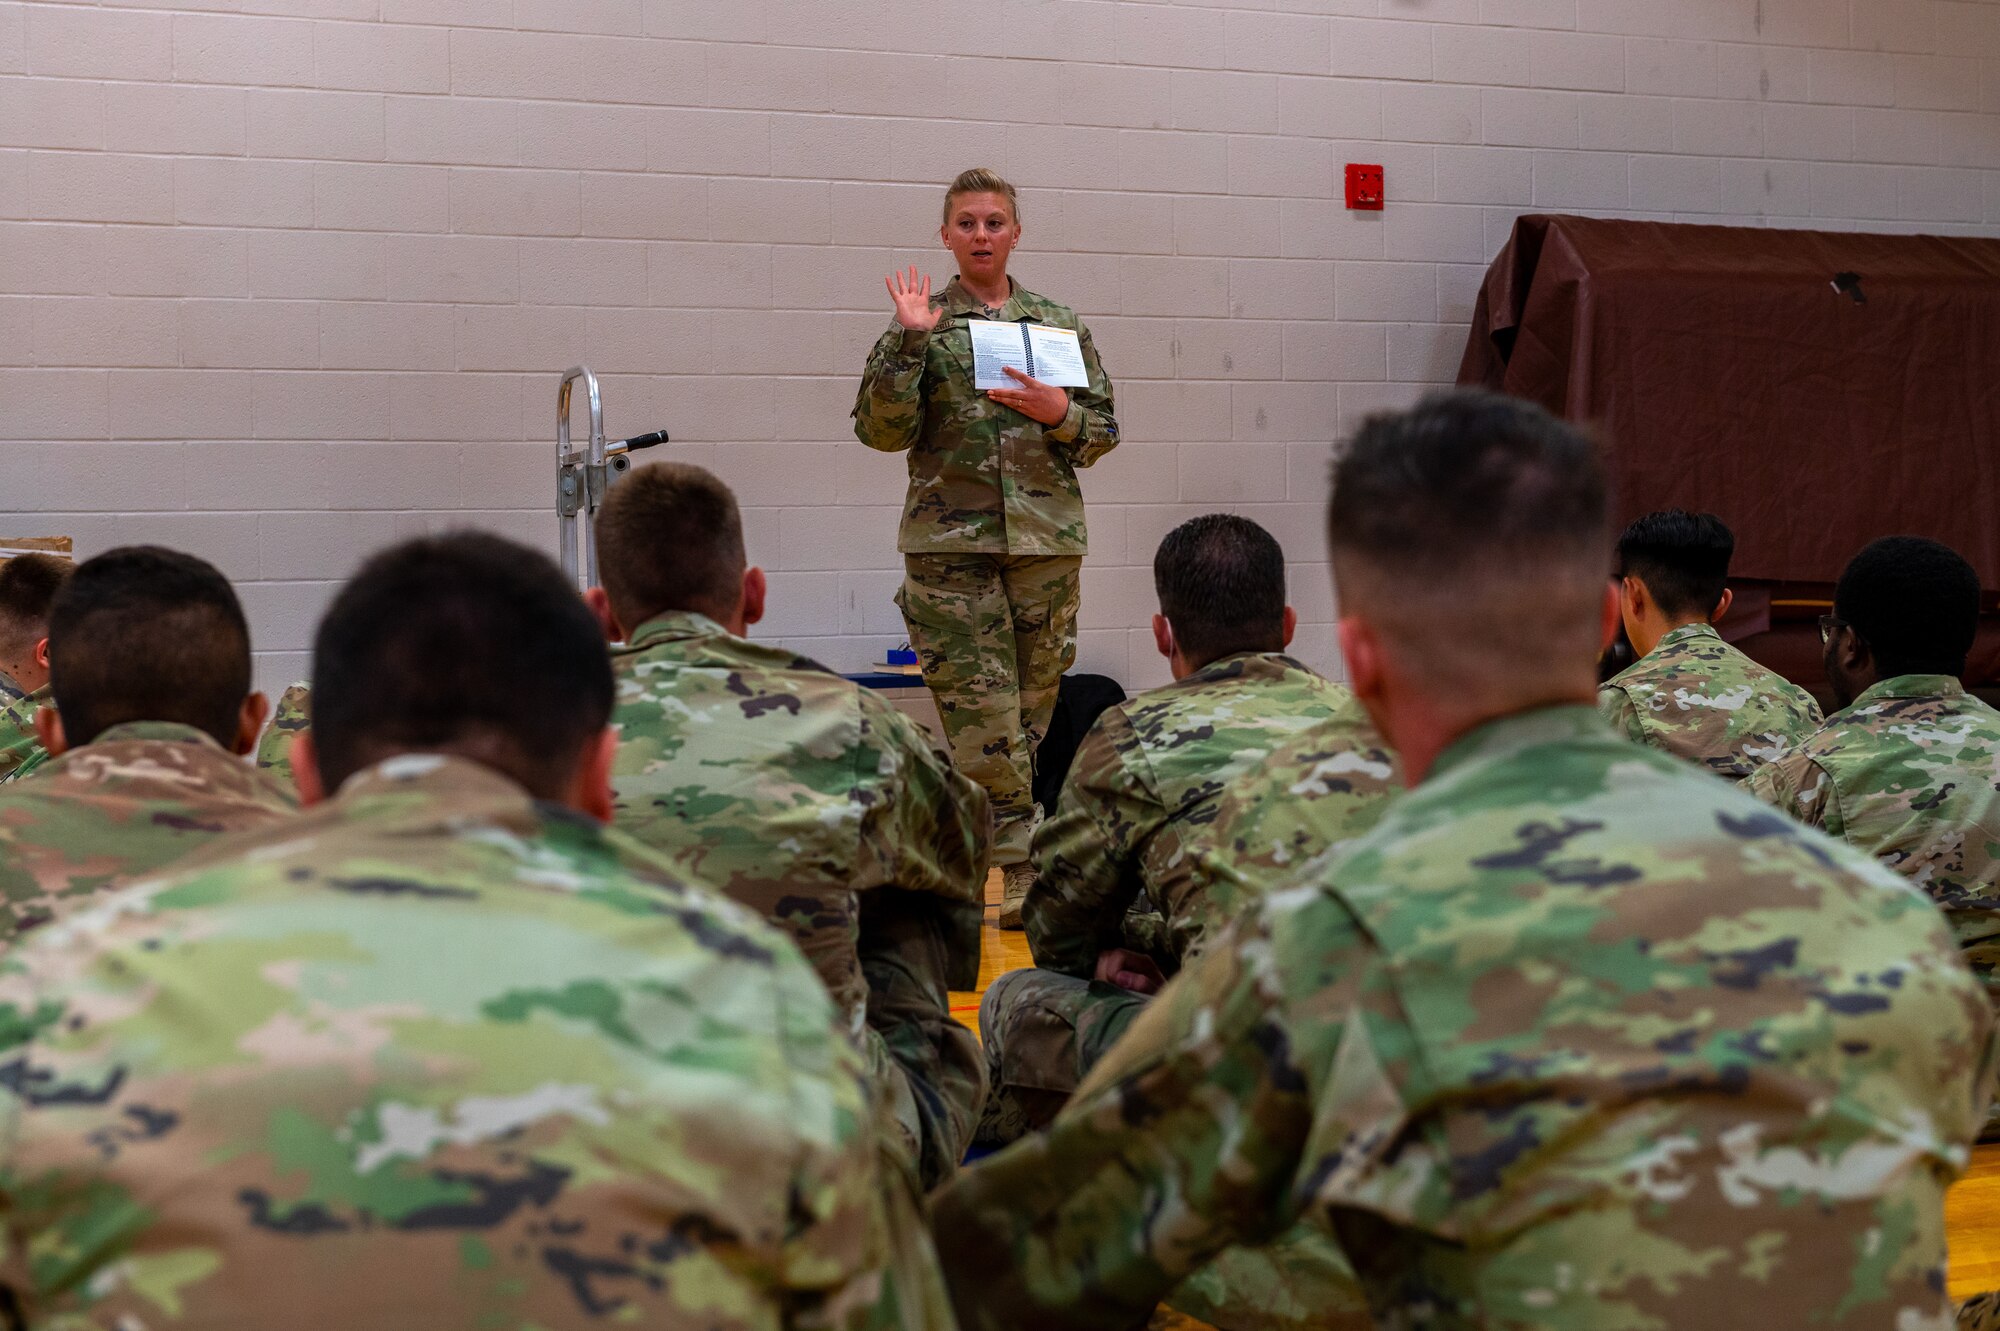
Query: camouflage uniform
pixel 288 720
pixel 1575 1039
pixel 433 1055
pixel 1911 775
pixel 992 538
pixel 21 750
pixel 816 803
pixel 1698 698
pixel 10 689
pixel 139 796
pixel 1134 815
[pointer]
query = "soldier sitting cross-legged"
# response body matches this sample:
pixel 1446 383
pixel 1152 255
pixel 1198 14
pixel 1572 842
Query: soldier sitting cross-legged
pixel 443 1051
pixel 150 661
pixel 1575 1037
pixel 798 793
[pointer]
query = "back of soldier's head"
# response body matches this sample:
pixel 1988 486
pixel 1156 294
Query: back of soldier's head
pixel 1914 602
pixel 1471 531
pixel 1221 582
pixel 670 537
pixel 1682 557
pixel 465 643
pixel 28 587
pixel 146 634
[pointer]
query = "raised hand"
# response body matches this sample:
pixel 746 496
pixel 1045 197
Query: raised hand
pixel 913 300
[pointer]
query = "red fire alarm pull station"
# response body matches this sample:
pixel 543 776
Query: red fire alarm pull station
pixel 1364 186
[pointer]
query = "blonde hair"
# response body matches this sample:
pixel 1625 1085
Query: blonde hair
pixel 979 180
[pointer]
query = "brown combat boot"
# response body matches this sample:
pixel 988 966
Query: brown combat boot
pixel 1015 880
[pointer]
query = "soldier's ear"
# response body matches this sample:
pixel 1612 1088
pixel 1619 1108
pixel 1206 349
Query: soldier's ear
pixel 1362 651
pixel 42 653
pixel 590 787
pixel 1722 606
pixel 49 728
pixel 250 720
pixel 599 602
pixel 1611 613
pixel 1163 636
pixel 1291 624
pixel 755 589
pixel 305 770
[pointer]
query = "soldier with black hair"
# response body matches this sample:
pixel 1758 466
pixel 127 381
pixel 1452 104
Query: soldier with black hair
pixel 28 587
pixel 149 658
pixel 1690 693
pixel 1908 770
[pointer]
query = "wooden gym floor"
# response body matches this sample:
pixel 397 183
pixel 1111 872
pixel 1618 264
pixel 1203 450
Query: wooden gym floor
pixel 1971 1209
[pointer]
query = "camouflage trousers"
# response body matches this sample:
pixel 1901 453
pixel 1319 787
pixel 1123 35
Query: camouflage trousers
pixel 1044 1031
pixel 929 1074
pixel 994 634
pixel 1981 1312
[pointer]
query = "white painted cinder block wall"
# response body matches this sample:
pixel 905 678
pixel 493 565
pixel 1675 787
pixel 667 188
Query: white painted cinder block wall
pixel 281 283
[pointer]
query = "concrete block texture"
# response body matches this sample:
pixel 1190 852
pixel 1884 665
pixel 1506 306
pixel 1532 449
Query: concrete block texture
pixel 283 281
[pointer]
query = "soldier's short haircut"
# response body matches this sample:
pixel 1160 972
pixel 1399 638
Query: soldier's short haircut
pixel 979 180
pixel 1915 602
pixel 1682 557
pixel 1221 582
pixel 467 643
pixel 1473 529
pixel 28 587
pixel 670 537
pixel 142 633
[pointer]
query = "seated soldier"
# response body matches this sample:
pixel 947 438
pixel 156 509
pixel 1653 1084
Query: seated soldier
pixel 288 721
pixel 798 793
pixel 1690 693
pixel 28 587
pixel 1575 1037
pixel 1908 770
pixel 1136 813
pixel 149 660
pixel 437 1053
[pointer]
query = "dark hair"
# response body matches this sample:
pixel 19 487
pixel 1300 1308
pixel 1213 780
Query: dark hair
pixel 670 537
pixel 464 640
pixel 1478 524
pixel 1221 582
pixel 1682 557
pixel 1915 602
pixel 146 634
pixel 28 587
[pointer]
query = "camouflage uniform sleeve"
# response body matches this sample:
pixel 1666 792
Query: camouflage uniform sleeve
pixel 1090 430
pixel 928 826
pixel 1615 706
pixel 1085 854
pixel 1800 787
pixel 1188 1137
pixel 889 408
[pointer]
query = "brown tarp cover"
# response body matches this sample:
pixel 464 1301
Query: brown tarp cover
pixel 1734 370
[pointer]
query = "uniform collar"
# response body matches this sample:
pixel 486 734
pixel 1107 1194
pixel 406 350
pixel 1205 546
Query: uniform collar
pixel 959 301
pixel 1910 686
pixel 676 626
pixel 1565 723
pixel 1240 664
pixel 169 731
pixel 414 781
pixel 1686 633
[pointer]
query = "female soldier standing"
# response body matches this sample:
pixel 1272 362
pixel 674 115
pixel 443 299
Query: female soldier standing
pixel 992 535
